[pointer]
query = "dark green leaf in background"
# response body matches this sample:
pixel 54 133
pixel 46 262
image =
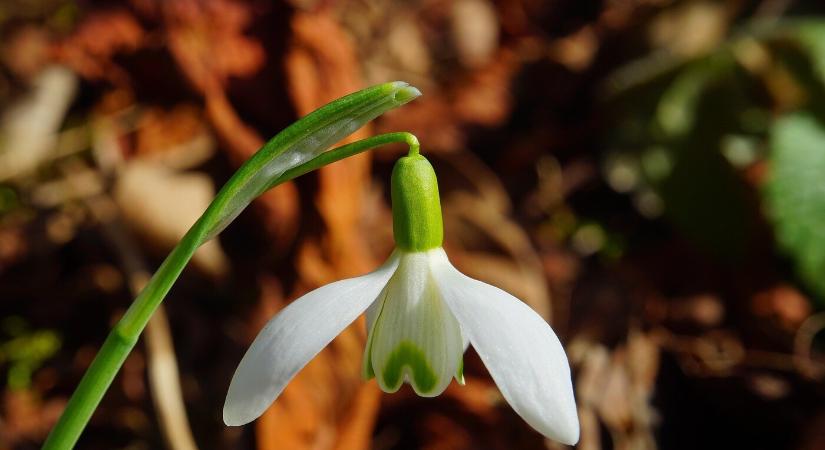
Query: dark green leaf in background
pixel 795 195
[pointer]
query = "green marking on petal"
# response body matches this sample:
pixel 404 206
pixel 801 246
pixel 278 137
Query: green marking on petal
pixel 459 374
pixel 408 355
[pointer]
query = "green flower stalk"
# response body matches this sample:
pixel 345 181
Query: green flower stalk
pixel 298 149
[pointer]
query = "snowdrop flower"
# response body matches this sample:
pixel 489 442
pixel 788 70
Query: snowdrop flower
pixel 422 314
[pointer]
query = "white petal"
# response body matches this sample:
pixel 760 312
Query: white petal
pixel 414 338
pixel 521 351
pixel 294 336
pixel 372 313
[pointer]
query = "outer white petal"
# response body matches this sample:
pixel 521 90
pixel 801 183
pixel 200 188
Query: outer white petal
pixel 521 351
pixel 294 336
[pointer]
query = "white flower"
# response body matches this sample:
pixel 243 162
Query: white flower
pixel 422 314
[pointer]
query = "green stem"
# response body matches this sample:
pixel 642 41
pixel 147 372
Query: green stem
pixel 412 141
pixel 124 335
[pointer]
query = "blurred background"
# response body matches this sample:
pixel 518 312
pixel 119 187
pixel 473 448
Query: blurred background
pixel 649 175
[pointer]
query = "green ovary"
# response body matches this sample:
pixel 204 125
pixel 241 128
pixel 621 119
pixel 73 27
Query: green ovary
pixel 408 355
pixel 416 209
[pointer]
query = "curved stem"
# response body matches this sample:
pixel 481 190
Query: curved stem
pixel 125 334
pixel 412 141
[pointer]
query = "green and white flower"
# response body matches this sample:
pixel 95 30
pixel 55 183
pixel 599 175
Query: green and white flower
pixel 422 314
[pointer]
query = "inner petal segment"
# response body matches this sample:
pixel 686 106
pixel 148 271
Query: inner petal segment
pixel 414 337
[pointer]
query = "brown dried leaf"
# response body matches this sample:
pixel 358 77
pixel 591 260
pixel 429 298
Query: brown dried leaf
pixel 484 96
pixel 614 389
pixel 26 51
pixel 614 405
pixel 101 35
pixel 705 309
pixel 206 38
pixel 13 246
pixel 177 138
pixel 29 126
pixel 708 19
pixel 474 31
pixel 26 417
pixel 783 303
pixel 577 50
pixel 642 361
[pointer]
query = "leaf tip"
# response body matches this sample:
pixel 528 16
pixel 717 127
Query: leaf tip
pixel 403 93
